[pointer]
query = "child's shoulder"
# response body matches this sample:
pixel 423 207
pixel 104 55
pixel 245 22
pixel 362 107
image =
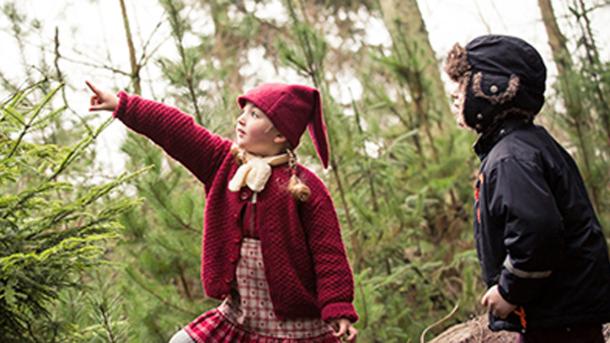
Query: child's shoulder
pixel 523 145
pixel 311 178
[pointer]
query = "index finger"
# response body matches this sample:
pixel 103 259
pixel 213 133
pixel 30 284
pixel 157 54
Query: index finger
pixel 92 87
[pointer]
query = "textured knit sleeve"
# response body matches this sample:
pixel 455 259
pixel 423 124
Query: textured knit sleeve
pixel 334 279
pixel 194 146
pixel 522 202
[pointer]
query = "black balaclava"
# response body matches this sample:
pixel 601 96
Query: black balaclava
pixel 503 73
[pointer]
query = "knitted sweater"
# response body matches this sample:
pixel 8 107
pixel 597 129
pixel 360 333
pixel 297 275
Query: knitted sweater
pixel 304 257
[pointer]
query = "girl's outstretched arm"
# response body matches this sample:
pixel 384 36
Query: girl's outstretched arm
pixel 194 146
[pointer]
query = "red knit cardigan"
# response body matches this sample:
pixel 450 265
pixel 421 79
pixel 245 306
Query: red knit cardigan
pixel 304 257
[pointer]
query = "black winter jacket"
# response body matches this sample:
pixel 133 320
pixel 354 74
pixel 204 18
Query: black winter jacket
pixel 536 232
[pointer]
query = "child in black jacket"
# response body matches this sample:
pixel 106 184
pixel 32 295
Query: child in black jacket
pixel 540 244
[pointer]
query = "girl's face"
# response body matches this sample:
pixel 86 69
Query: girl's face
pixel 256 134
pixel 457 107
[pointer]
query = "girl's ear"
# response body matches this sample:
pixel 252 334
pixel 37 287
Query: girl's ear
pixel 279 139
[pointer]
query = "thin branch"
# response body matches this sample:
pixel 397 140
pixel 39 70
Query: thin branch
pixel 169 210
pixel 135 67
pixel 188 68
pixel 97 66
pixel 422 338
pixel 60 78
pixel 482 18
pixel 149 40
pixel 106 323
pixel 172 305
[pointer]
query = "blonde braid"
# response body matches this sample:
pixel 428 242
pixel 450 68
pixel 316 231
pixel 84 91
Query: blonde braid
pixel 299 190
pixel 238 154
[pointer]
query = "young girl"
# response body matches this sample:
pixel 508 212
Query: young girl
pixel 272 248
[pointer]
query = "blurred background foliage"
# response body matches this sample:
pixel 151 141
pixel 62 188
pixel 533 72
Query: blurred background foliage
pixel 88 257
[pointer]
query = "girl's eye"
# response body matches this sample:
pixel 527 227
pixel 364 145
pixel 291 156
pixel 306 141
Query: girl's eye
pixel 254 114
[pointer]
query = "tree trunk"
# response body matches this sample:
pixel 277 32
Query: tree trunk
pixel 569 86
pixel 412 45
pixel 421 71
pixel 596 69
pixel 557 40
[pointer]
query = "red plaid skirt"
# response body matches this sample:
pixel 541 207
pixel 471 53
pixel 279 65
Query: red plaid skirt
pixel 247 315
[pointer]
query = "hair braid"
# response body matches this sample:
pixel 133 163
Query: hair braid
pixel 299 190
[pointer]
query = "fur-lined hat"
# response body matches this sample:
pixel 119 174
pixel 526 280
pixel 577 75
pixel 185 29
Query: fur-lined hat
pixel 504 76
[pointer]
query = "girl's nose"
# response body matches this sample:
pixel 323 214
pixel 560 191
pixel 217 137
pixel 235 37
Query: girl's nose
pixel 241 119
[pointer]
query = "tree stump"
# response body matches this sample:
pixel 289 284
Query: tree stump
pixel 476 331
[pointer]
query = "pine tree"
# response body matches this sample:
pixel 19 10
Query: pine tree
pixel 54 224
pixel 582 85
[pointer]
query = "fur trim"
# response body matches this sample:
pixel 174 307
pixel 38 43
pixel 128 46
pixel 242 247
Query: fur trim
pixel 456 64
pixel 507 95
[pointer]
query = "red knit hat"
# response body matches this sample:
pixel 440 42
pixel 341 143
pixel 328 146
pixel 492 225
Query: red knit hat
pixel 291 108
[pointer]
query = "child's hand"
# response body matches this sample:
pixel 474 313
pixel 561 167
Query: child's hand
pixel 496 304
pixel 102 100
pixel 342 327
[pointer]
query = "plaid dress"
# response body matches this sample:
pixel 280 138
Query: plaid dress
pixel 247 314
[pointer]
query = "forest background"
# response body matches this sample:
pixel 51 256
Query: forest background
pixel 100 231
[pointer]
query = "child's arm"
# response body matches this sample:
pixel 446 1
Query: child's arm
pixel 335 282
pixel 177 133
pixel 521 201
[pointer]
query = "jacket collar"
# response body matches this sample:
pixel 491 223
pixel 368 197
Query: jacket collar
pixel 488 139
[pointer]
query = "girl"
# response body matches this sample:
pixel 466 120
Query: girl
pixel 272 248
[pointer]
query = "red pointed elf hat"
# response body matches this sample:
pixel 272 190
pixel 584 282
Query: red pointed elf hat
pixel 292 108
